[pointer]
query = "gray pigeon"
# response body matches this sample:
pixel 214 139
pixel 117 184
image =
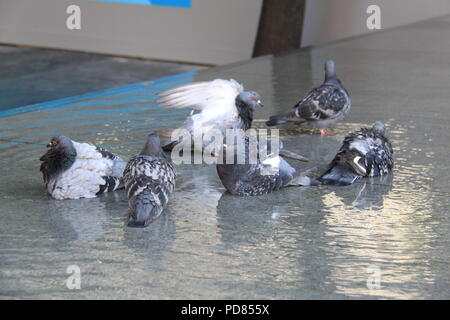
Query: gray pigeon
pixel 218 104
pixel 320 107
pixel 73 170
pixel 149 181
pixel 264 176
pixel 364 153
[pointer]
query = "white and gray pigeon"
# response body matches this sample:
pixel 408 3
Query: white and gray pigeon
pixel 264 176
pixel 218 104
pixel 73 170
pixel 149 181
pixel 364 153
pixel 320 107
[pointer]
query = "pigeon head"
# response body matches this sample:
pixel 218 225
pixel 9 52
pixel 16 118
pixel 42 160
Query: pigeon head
pixel 246 102
pixel 330 71
pixel 378 127
pixel 63 149
pixel 330 74
pixel 60 143
pixel 60 156
pixel 152 146
pixel 251 99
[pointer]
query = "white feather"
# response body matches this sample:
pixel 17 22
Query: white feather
pixel 273 161
pixel 361 168
pixel 360 145
pixel 215 99
pixel 84 177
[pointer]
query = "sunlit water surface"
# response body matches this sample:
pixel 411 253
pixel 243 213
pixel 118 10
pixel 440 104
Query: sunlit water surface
pixel 316 242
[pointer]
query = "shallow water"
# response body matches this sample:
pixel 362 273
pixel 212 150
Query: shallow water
pixel 316 242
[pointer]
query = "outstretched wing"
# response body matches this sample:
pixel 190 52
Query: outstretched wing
pixel 321 103
pixel 201 96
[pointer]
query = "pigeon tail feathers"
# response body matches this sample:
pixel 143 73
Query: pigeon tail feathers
pixel 112 183
pixel 284 118
pixel 292 155
pixel 275 122
pixel 339 175
pixel 145 211
pixel 302 178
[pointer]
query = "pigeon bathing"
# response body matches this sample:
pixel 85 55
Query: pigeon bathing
pixel 250 166
pixel 320 107
pixel 263 176
pixel 364 153
pixel 73 170
pixel 218 105
pixel 149 181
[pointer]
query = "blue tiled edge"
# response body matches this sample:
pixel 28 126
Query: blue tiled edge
pixel 165 3
pixel 153 85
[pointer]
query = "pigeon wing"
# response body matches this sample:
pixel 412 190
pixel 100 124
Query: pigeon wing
pixel 253 182
pixel 321 103
pixel 118 163
pixel 203 95
pixel 155 175
pixel 379 159
pixel 367 153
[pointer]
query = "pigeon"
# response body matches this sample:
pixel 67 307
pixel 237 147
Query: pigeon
pixel 73 170
pixel 265 175
pixel 149 180
pixel 364 153
pixel 218 105
pixel 320 107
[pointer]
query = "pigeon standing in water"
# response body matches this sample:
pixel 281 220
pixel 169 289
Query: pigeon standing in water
pixel 364 153
pixel 149 181
pixel 264 176
pixel 73 170
pixel 320 107
pixel 218 105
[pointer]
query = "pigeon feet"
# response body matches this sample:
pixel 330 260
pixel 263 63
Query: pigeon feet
pixel 326 132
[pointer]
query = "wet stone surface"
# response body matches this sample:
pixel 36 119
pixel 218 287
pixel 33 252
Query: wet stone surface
pixel 316 242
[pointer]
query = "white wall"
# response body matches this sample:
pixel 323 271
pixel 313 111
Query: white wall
pixel 209 32
pixel 328 20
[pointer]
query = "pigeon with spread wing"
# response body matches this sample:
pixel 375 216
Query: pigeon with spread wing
pixel 217 105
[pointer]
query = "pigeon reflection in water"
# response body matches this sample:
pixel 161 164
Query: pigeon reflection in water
pixel 366 194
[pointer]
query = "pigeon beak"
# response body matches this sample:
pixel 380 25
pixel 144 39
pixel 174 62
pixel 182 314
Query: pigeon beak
pixel 259 103
pixel 49 145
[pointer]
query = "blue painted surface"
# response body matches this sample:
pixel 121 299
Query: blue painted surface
pixel 124 111
pixel 166 3
pixel 130 95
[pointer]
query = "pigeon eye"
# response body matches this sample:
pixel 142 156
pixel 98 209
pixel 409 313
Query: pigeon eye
pixel 54 142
